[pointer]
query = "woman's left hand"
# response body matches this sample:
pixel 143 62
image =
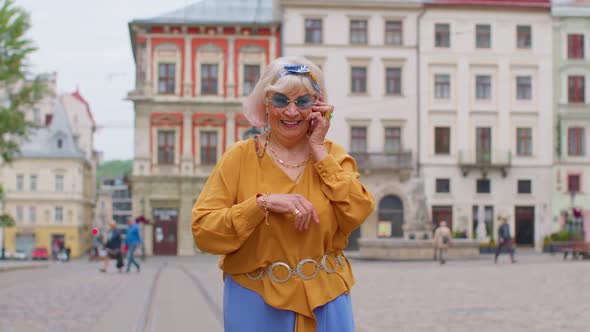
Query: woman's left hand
pixel 320 122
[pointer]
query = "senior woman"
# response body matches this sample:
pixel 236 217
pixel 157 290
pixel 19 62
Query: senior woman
pixel 280 206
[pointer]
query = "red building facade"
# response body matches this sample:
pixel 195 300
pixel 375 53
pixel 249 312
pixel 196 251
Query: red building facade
pixel 194 66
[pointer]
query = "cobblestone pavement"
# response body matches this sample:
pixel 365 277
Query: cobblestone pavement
pixel 539 293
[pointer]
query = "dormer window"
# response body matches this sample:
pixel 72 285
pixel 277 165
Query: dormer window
pixel 60 143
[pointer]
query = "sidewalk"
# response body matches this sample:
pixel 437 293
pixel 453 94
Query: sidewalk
pixel 9 265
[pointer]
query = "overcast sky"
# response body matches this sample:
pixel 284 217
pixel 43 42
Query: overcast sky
pixel 87 44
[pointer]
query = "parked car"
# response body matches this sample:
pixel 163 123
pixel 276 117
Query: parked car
pixel 20 255
pixel 40 253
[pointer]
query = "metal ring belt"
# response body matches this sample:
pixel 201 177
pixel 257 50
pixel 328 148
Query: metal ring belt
pixel 324 264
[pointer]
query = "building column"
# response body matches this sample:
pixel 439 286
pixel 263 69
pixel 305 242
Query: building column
pixel 187 144
pixel 230 84
pixel 147 89
pixel 188 83
pixel 230 125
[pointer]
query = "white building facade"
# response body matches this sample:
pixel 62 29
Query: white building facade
pixel 367 51
pixel 486 117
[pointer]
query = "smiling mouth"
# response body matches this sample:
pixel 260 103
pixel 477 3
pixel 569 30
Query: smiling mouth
pixel 291 123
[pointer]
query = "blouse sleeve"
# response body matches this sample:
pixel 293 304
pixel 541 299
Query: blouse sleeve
pixel 340 183
pixel 220 225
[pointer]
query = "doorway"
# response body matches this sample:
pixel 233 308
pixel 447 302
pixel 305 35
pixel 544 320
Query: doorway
pixel 165 231
pixel 524 225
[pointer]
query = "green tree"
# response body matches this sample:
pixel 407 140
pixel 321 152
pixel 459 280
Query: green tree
pixel 17 90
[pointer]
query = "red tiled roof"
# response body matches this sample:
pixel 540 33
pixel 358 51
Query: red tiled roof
pixel 76 94
pixel 509 3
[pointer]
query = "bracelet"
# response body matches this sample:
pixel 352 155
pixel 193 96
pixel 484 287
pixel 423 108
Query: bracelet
pixel 265 206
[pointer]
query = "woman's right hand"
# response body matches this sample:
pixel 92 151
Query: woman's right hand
pixel 290 204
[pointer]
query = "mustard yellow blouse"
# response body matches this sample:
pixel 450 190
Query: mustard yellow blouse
pixel 228 222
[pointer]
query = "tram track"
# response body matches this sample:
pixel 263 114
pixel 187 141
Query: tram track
pixel 145 322
pixel 216 310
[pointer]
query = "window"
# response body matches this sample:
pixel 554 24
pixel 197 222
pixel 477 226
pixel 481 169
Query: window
pixel 573 183
pixel 442 86
pixel 575 46
pixel 575 141
pixel 393 140
pixel 358 80
pixel 358 139
pixel 442 35
pixel 358 32
pixel 443 185
pixel 166 147
pixel 483 186
pixel 209 79
pixel 60 143
pixel 313 31
pixel 19 214
pixel 208 140
pixel 393 81
pixel 524 186
pixel 59 214
pixel 59 183
pixel 483 87
pixel 442 140
pixel 483 36
pixel 33 182
pixel 524 142
pixel 575 91
pixel 523 88
pixel 523 36
pixel 393 32
pixel 166 78
pixel 32 214
pixel 20 182
pixel 483 144
pixel 251 76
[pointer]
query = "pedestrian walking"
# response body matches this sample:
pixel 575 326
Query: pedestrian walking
pixel 113 247
pixel 133 240
pixel 280 206
pixel 504 238
pixel 442 240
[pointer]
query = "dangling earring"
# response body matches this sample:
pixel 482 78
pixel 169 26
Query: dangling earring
pixel 259 153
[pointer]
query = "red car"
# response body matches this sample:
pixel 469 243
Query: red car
pixel 40 253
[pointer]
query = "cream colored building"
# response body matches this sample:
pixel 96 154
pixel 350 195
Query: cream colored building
pixel 367 51
pixel 486 86
pixel 50 189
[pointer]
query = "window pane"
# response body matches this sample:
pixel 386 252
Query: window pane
pixel 358 139
pixel 393 83
pixel 523 36
pixel 483 36
pixel 442 140
pixel 523 88
pixel 209 79
pixel 208 142
pixel 524 142
pixel 393 143
pixel 393 32
pixel 166 141
pixel 358 32
pixel 483 88
pixel 166 78
pixel 442 86
pixel 251 76
pixel 313 30
pixel 358 80
pixel 442 33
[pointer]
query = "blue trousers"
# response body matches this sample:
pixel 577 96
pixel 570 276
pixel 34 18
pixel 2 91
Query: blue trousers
pixel 130 259
pixel 246 311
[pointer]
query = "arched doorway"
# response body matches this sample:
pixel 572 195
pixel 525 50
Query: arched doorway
pixel 391 217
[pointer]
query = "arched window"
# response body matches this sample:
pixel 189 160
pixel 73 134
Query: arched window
pixel 391 217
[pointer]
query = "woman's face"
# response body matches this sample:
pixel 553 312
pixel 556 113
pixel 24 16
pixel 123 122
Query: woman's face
pixel 287 113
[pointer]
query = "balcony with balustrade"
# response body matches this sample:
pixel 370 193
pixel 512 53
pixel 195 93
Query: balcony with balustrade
pixel 485 161
pixel 379 161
